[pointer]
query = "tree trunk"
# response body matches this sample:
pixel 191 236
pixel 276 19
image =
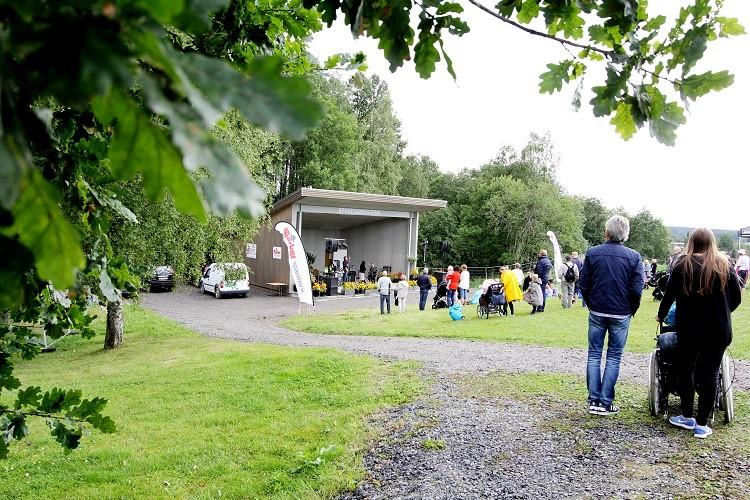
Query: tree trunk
pixel 113 337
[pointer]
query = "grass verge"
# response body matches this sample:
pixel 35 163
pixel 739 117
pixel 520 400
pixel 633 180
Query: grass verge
pixel 556 327
pixel 205 418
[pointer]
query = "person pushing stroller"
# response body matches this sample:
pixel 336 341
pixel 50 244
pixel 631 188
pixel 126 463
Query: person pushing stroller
pixel 706 291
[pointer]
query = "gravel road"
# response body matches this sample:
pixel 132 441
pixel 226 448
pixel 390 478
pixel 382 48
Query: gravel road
pixel 455 446
pixel 256 320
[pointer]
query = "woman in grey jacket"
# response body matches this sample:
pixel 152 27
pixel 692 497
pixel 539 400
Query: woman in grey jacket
pixel 533 294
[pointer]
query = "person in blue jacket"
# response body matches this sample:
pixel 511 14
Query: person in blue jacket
pixel 542 269
pixel 424 283
pixel 611 283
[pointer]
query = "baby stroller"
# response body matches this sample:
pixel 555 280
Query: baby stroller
pixel 659 283
pixel 491 301
pixel 663 377
pixel 441 296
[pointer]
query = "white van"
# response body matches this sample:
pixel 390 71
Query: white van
pixel 227 278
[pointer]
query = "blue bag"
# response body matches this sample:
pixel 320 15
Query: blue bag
pixel 669 320
pixel 455 311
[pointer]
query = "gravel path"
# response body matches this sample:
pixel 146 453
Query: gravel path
pixel 460 447
pixel 256 320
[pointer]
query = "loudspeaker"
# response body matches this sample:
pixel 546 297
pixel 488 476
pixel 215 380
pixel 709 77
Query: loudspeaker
pixel 332 246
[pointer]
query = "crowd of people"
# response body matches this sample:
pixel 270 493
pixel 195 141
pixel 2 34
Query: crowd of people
pixel 704 284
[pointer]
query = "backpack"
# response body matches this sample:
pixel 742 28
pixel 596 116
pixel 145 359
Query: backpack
pixel 570 274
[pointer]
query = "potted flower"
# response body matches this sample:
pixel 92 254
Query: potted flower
pixel 360 288
pixel 316 289
pixel 412 266
pixel 349 288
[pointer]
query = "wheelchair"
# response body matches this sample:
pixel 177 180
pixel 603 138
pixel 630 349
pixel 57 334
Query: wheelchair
pixel 663 378
pixel 491 301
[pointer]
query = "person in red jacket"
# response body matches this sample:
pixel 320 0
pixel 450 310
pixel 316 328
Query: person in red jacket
pixel 453 277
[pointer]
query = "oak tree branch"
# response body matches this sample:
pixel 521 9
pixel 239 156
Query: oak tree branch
pixel 605 53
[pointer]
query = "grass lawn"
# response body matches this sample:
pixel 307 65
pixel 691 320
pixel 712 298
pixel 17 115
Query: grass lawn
pixel 555 327
pixel 565 395
pixel 205 418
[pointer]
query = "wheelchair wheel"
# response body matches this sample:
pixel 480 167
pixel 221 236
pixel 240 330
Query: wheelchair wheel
pixel 479 311
pixel 726 396
pixel 654 386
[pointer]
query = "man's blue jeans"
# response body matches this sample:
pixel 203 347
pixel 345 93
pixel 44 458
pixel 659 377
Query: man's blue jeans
pixel 602 388
pixel 387 299
pixel 423 299
pixel 450 297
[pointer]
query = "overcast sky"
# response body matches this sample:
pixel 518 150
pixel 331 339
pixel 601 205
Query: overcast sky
pixel 703 180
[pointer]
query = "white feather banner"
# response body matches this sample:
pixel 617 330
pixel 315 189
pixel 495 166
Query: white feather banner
pixel 557 263
pixel 297 261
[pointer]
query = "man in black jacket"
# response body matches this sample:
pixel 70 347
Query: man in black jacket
pixel 611 283
pixel 542 269
pixel 424 284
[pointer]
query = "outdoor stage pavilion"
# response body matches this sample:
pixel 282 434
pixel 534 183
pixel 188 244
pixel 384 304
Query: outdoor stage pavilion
pixel 379 229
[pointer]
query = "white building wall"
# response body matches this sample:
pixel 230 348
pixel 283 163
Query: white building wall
pixel 383 243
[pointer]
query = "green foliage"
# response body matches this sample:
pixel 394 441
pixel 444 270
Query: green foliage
pixel 595 216
pixel 552 81
pixel 624 121
pixel 696 86
pixel 367 153
pixel 41 227
pixel 389 23
pixel 726 243
pixel 166 236
pixel 417 173
pixel 67 415
pixel 501 213
pixel 729 26
pixel 649 236
pixel 318 161
pixel 137 141
pixel 120 50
